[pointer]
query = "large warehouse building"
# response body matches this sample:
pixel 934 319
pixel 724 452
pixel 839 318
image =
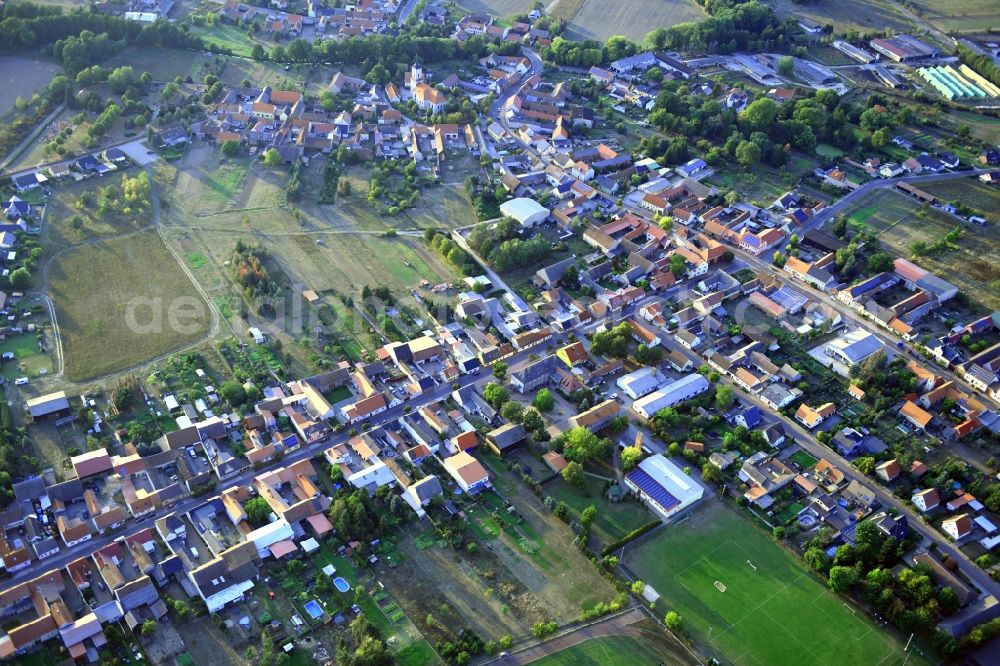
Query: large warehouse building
pixel 527 212
pixel 664 487
pixel 683 389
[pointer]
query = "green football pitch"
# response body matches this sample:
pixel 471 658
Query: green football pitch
pixel 749 602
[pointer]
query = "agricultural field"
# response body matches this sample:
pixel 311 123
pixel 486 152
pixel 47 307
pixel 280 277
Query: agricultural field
pixel 959 15
pixel 970 191
pixel 772 612
pixel 500 8
pixel 595 19
pixel 20 77
pixel 972 264
pixel 862 15
pixel 94 286
pixel 606 651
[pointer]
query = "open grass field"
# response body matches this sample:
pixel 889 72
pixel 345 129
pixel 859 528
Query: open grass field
pixel 614 519
pixel 778 614
pixel 93 286
pixel 959 15
pixel 605 651
pixel 861 15
pixel 596 19
pixel 20 77
pixel 973 266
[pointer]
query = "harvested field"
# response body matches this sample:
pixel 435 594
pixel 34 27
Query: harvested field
pixel 633 18
pixel 959 15
pixel 20 77
pixel 98 287
pixel 501 8
pixel 863 15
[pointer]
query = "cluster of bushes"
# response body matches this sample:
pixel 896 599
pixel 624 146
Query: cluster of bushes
pixel 502 248
pixel 248 266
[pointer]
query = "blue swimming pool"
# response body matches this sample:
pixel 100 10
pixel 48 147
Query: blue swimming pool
pixel 341 584
pixel 313 608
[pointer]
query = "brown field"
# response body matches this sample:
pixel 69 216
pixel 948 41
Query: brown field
pixel 960 15
pixel 861 15
pixel 596 19
pixel 94 285
pixel 501 8
pixel 20 77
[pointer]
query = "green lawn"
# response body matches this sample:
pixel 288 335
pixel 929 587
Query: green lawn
pixel 28 361
pixel 803 460
pixel 776 614
pixel 605 651
pixel 828 151
pixel 614 519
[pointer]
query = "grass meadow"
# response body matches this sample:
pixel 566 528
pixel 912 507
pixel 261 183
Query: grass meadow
pixel 776 614
pixel 605 651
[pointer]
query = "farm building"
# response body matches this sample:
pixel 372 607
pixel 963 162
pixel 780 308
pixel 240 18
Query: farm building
pixel 664 487
pixel 44 405
pixel 903 48
pixel 852 51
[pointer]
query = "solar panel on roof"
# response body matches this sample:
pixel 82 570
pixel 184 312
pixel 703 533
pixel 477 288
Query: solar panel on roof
pixel 652 489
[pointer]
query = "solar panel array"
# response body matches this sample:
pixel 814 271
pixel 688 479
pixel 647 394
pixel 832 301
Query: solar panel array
pixel 788 298
pixel 652 489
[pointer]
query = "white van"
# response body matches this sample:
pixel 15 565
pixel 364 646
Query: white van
pixel 21 381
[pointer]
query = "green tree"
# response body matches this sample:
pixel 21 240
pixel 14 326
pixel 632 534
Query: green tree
pixel 842 578
pixel 759 115
pixel 495 394
pixel 581 445
pixel 148 628
pixel 230 147
pixel 631 455
pixel 20 278
pixel 723 397
pixel 817 559
pixel 638 587
pixel 865 464
pixel 233 393
pixel 500 370
pixel 272 158
pixel 573 474
pixel 785 65
pixel 673 620
pixel 748 152
pixel 258 511
pixel 588 515
pixel 512 411
pixel 506 642
pixel 544 400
